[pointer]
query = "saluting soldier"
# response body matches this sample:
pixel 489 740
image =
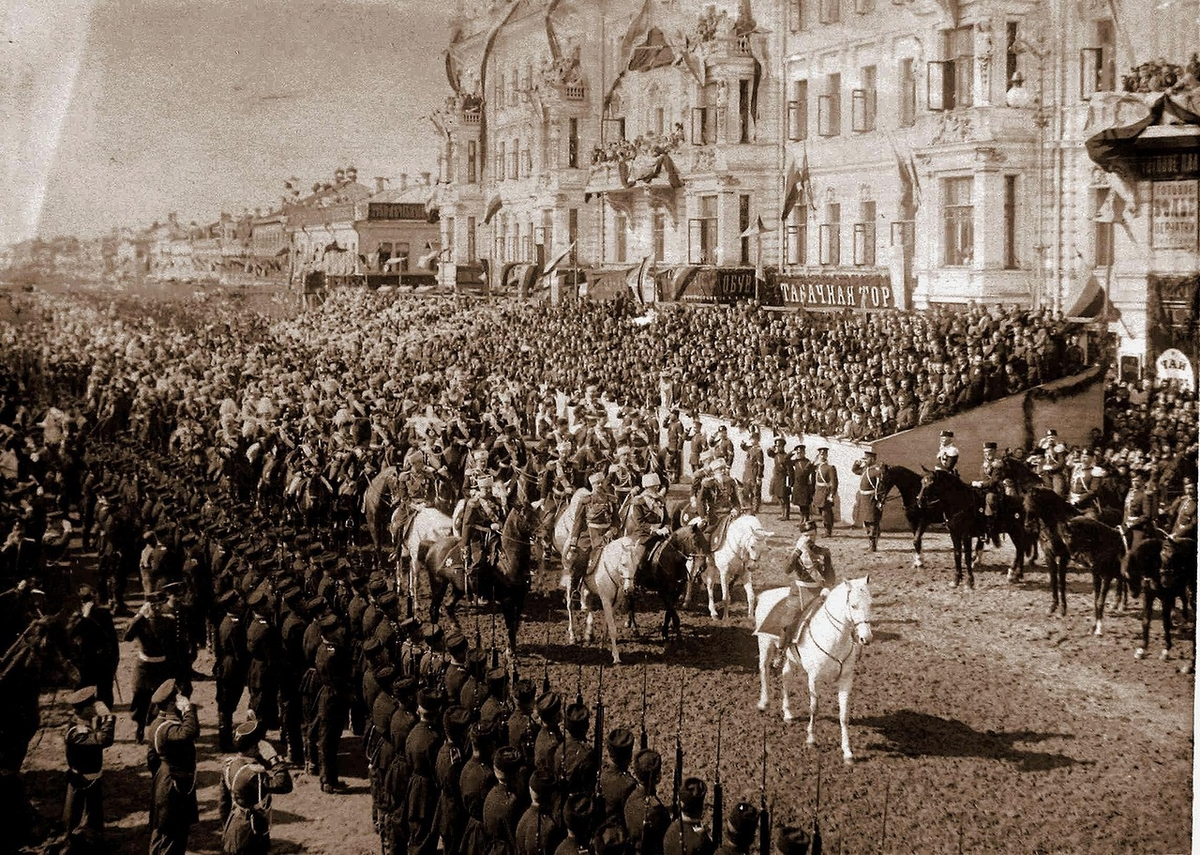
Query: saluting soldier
pixel 803 481
pixel 153 630
pixel 248 782
pixel 947 453
pixel 171 757
pixel 1182 513
pixel 869 505
pixel 752 477
pixel 810 571
pixel 687 834
pixel 88 734
pixel 825 489
pixel 782 473
pixel 719 500
pixel 722 445
pixel 647 518
pixel 94 638
pixel 1054 463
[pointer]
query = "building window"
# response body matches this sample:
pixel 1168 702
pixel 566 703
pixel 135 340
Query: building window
pixel 743 224
pixel 403 251
pixel 620 237
pixel 472 161
pixel 573 235
pixel 614 129
pixel 864 7
pixel 831 11
pixel 547 231
pixel 660 120
pixel 798 111
pixel 829 107
pixel 862 106
pixel 831 237
pixel 702 233
pixel 949 84
pixel 1098 65
pixel 451 224
pixel 958 215
pixel 864 236
pixel 515 160
pixel 1010 222
pixel 501 234
pixel 797 238
pixel 704 125
pixel 660 236
pixel 908 93
pixel 572 143
pixel 743 111
pixel 471 252
pixel 384 253
pixel 796 15
pixel 1102 222
pixel 1010 54
pixel 500 161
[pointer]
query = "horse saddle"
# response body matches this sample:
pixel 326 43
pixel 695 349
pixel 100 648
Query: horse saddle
pixel 783 615
pixel 654 548
pixel 719 532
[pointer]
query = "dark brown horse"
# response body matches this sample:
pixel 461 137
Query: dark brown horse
pixel 1166 569
pixel 504 580
pixel 945 493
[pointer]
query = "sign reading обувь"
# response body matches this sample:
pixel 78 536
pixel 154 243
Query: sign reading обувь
pixel 836 291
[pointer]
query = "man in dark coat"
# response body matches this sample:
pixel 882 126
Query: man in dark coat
pixel 171 757
pixel 421 750
pixel 539 831
pixel 263 648
pixel 615 782
pixel 247 784
pixel 154 631
pixel 686 835
pixel 97 651
pixel 782 473
pixel 646 817
pixel 505 802
pixel 87 736
pixel 229 669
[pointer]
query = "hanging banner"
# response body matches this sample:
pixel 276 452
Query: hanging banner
pixel 1173 364
pixel 836 291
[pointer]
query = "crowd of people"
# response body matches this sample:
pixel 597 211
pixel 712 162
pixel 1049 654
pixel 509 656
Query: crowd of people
pixel 226 464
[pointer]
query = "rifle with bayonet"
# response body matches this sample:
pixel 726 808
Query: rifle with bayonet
pixel 645 738
pixel 598 735
pixel 718 801
pixel 764 814
pixel 546 662
pixel 677 782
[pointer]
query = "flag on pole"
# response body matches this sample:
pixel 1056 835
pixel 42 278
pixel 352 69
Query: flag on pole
pixel 636 276
pixel 558 259
pixel 806 183
pixel 494 204
pixel 791 190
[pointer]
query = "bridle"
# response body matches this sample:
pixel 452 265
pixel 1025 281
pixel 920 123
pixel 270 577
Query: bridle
pixel 840 626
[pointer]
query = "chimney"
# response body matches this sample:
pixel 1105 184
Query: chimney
pixel 425 178
pixel 380 183
pixel 403 181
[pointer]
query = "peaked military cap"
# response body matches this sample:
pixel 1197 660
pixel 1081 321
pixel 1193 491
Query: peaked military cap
pixel 247 734
pixel 164 692
pixel 549 706
pixel 507 761
pixel 83 696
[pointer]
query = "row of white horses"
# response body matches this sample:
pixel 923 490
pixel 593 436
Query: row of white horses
pixel 825 647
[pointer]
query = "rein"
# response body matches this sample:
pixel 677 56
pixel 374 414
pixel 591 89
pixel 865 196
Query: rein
pixel 840 626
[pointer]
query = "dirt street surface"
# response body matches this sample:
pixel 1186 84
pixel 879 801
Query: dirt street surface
pixel 979 724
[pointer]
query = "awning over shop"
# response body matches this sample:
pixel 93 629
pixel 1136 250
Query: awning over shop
pixel 1116 149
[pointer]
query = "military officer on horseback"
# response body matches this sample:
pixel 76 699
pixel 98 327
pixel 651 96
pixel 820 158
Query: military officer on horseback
pixel 646 519
pixel 1182 513
pixel 1139 510
pixel 481 523
pixel 810 573
pixel 990 481
pixel 719 500
pixel 598 512
pixel 947 453
pixel 1084 482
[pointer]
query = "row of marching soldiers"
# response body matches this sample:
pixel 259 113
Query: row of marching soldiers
pixel 467 758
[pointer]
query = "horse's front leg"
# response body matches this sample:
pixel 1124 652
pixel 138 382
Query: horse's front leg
pixel 918 532
pixel 1168 604
pixel 726 572
pixel 751 600
pixel 811 738
pixel 844 687
pixel 766 650
pixel 709 583
pixel 1100 592
pixel 570 594
pixel 611 621
pixel 969 561
pixel 1147 617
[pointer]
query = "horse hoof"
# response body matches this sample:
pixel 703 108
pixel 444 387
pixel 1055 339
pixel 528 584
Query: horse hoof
pixel 848 760
pixel 1140 653
pixel 1164 655
pixel 616 660
pixel 1187 668
pixel 917 562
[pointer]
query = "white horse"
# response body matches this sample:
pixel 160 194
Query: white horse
pixel 737 555
pixel 826 648
pixel 572 571
pixel 428 526
pixel 613 578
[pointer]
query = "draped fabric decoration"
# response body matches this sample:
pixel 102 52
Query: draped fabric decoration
pixel 662 165
pixel 744 27
pixel 483 66
pixel 636 279
pixel 453 77
pixel 1111 146
pixel 681 279
pixel 637 28
pixel 558 259
pixel 494 204
pixel 653 53
pixel 910 184
pixel 791 190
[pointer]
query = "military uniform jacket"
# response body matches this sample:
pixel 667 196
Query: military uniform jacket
pixel 825 484
pixel 501 810
pixel 1139 509
pixel 246 789
pixel 692 840
pixel 646 819
pixel 538 832
pixel 803 478
pixel 719 496
pixel 545 749
pixel 573 765
pixel 989 474
pixel 1082 484
pixel 781 473
pixel 1183 514
pixel 615 787
pixel 646 513
pixel 474 784
pixel 86 741
pixel 261 645
pixel 754 464
pixel 171 757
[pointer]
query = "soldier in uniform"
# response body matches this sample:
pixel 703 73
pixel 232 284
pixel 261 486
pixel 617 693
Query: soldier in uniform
pixel 578 815
pixel 990 482
pixel 699 444
pixel 741 831
pixel 395 777
pixel 474 783
pixel 1054 463
pixel 687 835
pixel 598 514
pixel 752 477
pixel 94 638
pixel 573 763
pixel 548 713
pixel 810 572
pixel 621 479
pixel 825 489
pixel 481 523
pixel 88 734
pixel 1181 515
pixel 947 453
pixel 782 473
pixel 434 660
pixel 229 669
pixel 616 783
pixel 538 831
pixel 505 802
pixel 722 445
pixel 247 784
pixel 646 817
pixel 673 459
pixel 171 757
pixel 1139 514
pixel 803 476
pixel 647 519
pixel 522 727
pixel 1084 482
pixel 447 769
pixel 154 631
pixel 291 673
pixel 420 751
pixel 869 505
pixel 719 501
pixel 332 680
pixel 262 648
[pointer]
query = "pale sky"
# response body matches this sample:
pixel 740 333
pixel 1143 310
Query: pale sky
pixel 116 112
